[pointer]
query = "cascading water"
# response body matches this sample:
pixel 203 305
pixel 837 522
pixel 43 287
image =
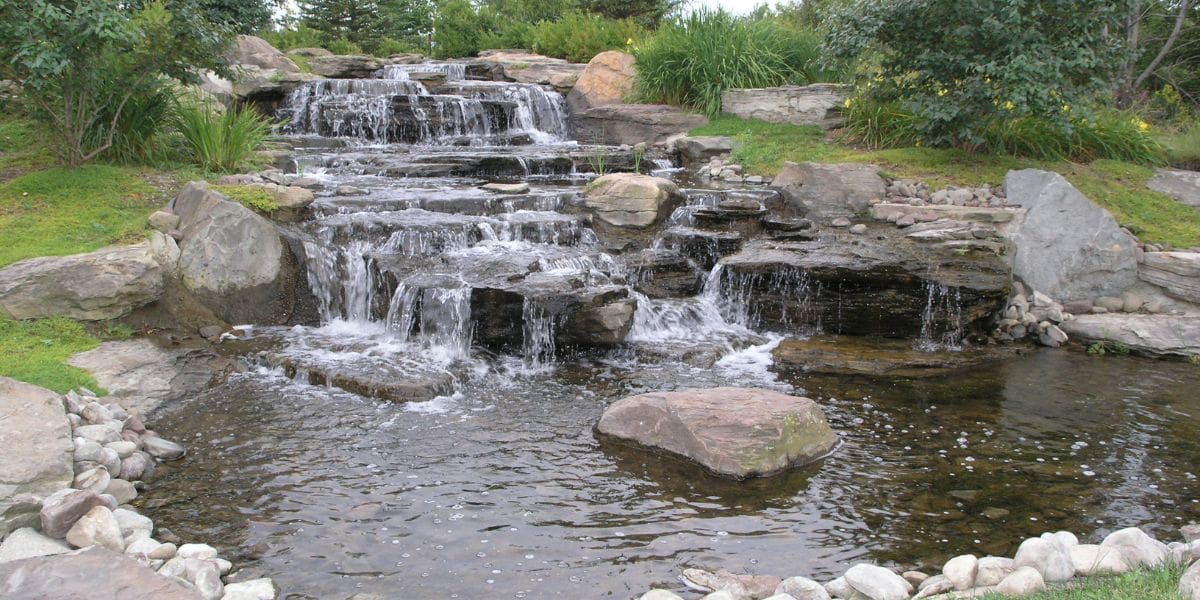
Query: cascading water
pixel 941 320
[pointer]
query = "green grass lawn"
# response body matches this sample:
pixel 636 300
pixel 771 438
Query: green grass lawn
pixel 761 148
pixel 36 352
pixel 1159 584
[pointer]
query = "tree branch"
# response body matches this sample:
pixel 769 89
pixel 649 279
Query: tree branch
pixel 1179 20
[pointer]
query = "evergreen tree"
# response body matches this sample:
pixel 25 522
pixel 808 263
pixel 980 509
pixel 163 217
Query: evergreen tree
pixel 354 20
pixel 240 16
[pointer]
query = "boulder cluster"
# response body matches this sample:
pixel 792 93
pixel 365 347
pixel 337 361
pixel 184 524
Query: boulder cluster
pixel 1035 316
pixel 1052 558
pixel 113 452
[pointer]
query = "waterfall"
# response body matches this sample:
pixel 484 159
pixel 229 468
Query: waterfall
pixel 538 330
pixel 453 71
pixel 941 320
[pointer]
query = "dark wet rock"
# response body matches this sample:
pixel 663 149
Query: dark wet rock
pixel 849 355
pixel 663 274
pixel 767 433
pixel 1151 335
pixel 704 247
pixel 350 66
pixel 38 451
pixel 875 287
pixel 817 104
pixel 633 123
pixel 90 574
pixel 607 79
pixel 1067 247
pixel 828 191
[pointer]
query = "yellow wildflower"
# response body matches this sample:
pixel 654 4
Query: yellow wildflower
pixel 1141 125
pixel 629 42
pixel 847 103
pixel 1066 108
pixel 1009 106
pixel 942 92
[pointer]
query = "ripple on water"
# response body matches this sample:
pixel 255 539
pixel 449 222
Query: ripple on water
pixel 503 488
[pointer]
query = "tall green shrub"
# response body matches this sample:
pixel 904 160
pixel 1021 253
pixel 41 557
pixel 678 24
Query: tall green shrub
pixel 456 30
pixel 217 140
pixel 578 36
pixel 690 61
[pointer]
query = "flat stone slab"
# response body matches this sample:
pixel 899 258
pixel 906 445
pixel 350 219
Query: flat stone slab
pixel 995 216
pixel 141 375
pixel 1178 273
pixel 856 355
pixel 91 574
pixel 28 543
pixel 1152 335
pixel 1181 185
pixel 36 462
pixel 735 432
pixel 816 104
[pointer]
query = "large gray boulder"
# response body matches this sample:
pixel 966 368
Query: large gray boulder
pixel 607 79
pixel 97 286
pixel 737 432
pixel 36 461
pixel 816 104
pixel 1181 185
pixel 631 199
pixel 344 66
pixel 828 191
pixel 1189 584
pixel 1177 273
pixel 252 50
pixel 232 259
pixel 1151 335
pixel 1066 246
pixel 94 573
pixel 631 124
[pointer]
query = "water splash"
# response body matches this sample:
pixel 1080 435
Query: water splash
pixel 941 320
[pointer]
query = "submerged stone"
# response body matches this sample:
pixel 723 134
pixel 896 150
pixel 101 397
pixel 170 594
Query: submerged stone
pixel 736 432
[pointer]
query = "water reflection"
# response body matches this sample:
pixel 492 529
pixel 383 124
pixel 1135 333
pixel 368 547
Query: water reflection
pixel 504 490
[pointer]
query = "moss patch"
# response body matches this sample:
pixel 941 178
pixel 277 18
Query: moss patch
pixel 761 148
pixel 36 352
pixel 253 197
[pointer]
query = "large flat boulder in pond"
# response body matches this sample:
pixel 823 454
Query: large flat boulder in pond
pixel 817 104
pixel 736 432
pixel 1066 246
pixel 96 286
pixel 1150 335
pixel 36 462
pixel 871 357
pixel 90 574
pixel 607 79
pixel 827 191
pixel 631 124
pixel 232 259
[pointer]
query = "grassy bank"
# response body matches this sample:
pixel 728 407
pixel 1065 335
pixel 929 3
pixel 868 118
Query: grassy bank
pixel 761 148
pixel 1158 584
pixel 36 352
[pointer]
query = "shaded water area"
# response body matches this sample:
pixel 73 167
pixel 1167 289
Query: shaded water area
pixel 429 434
pixel 504 491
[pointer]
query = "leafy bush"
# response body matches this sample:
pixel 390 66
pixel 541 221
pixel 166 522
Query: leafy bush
pixel 1108 134
pixel 962 65
pixel 300 36
pixel 389 46
pixel 343 46
pixel 216 140
pixel 137 136
pixel 578 36
pixel 689 62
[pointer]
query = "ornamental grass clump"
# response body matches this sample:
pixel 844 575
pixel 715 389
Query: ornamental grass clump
pixel 690 61
pixel 217 140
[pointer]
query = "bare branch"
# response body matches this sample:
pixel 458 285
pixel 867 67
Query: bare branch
pixel 1179 20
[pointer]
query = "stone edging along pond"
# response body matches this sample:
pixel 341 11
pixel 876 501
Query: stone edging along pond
pixel 72 546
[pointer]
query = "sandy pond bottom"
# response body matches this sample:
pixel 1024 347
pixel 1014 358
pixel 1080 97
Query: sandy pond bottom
pixel 503 491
